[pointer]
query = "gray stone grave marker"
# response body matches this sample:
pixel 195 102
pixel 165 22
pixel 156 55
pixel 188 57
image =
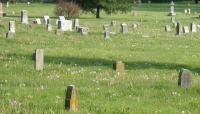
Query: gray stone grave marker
pixel 193 27
pixel 178 29
pixel 167 28
pixel 124 28
pixel 71 100
pixel 46 19
pixel 49 27
pixel 24 17
pixel 83 30
pixel 186 29
pixel 172 12
pixel 185 78
pixel 39 59
pixel 113 23
pixel 76 24
pixel 106 34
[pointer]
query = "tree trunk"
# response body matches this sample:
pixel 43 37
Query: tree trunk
pixel 98 12
pixel 196 1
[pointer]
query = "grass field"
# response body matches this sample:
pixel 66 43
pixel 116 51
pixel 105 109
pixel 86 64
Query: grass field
pixel 148 85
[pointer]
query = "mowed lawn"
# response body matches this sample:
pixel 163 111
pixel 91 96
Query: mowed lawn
pixel 152 57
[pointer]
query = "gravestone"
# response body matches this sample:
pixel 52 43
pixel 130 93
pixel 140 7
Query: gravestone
pixel 134 26
pixel 105 27
pixel 65 25
pixel 76 24
pixel 71 100
pixel 49 27
pixel 193 27
pixel 186 29
pixel 1 9
pixel 59 30
pixel 189 11
pixel 7 4
pixel 83 30
pixel 118 66
pixel 106 34
pixel 178 29
pixel 167 28
pixel 185 11
pixel 37 21
pixel 124 28
pixel 46 19
pixel 113 23
pixel 28 3
pixel 24 17
pixel 139 2
pixel 174 24
pixel 39 59
pixel 172 12
pixel 9 35
pixel 185 78
pixel 173 19
pixel 12 26
pixel 61 18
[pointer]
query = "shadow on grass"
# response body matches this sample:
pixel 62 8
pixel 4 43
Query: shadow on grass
pixel 91 62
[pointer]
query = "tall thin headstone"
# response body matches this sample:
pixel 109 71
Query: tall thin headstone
pixel 178 29
pixel 124 28
pixel 24 17
pixel 193 27
pixel 76 24
pixel 11 32
pixel 39 59
pixel 172 12
pixel 46 19
pixel 185 78
pixel 71 100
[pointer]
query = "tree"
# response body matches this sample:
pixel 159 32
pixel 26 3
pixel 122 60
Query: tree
pixel 109 6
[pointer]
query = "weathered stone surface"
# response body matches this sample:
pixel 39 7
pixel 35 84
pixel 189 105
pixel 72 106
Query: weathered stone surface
pixel 65 25
pixel 172 12
pixel 178 29
pixel 46 19
pixel 193 27
pixel 185 78
pixel 24 17
pixel 106 34
pixel 1 9
pixel 185 11
pixel 83 30
pixel 124 28
pixel 71 100
pixel 186 29
pixel 49 27
pixel 105 27
pixel 61 18
pixel 173 19
pixel 12 26
pixel 9 35
pixel 135 26
pixel 119 66
pixel 113 23
pixel 76 24
pixel 39 59
pixel 167 28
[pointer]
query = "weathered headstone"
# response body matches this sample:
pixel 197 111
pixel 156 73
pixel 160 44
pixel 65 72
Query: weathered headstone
pixel 61 18
pixel 83 30
pixel 39 59
pixel 119 66
pixel 76 24
pixel 193 27
pixel 59 30
pixel 178 29
pixel 37 21
pixel 9 35
pixel 46 19
pixel 24 17
pixel 124 28
pixel 174 24
pixel 105 27
pixel 172 12
pixel 189 11
pixel 1 9
pixel 106 34
pixel 185 11
pixel 71 100
pixel 12 26
pixel 167 28
pixel 186 29
pixel 49 27
pixel 113 23
pixel 139 2
pixel 173 19
pixel 185 78
pixel 134 26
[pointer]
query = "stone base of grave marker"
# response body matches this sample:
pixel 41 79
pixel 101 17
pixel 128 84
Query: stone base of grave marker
pixel 119 66
pixel 185 78
pixel 9 34
pixel 71 101
pixel 39 59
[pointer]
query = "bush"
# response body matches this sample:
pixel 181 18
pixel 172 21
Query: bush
pixel 67 9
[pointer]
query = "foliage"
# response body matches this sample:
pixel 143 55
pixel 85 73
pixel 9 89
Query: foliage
pixel 67 9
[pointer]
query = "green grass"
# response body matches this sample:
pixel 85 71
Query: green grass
pixel 148 85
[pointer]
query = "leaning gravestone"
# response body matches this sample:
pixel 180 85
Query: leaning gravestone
pixel 106 34
pixel 24 17
pixel 178 29
pixel 193 27
pixel 39 59
pixel 46 19
pixel 185 78
pixel 1 9
pixel 172 12
pixel 167 28
pixel 118 66
pixel 124 28
pixel 186 29
pixel 71 101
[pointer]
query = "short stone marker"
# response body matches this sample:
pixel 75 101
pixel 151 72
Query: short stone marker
pixel 37 21
pixel 119 66
pixel 185 78
pixel 49 27
pixel 124 28
pixel 173 19
pixel 76 24
pixel 178 29
pixel 61 18
pixel 39 59
pixel 185 11
pixel 186 29
pixel 46 19
pixel 106 34
pixel 105 27
pixel 149 1
pixel 83 30
pixel 11 32
pixel 71 100
pixel 24 17
pixel 172 12
pixel 167 28
pixel 113 23
pixel 135 26
pixel 193 27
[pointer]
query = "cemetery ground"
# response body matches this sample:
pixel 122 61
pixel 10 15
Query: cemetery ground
pixel 152 60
